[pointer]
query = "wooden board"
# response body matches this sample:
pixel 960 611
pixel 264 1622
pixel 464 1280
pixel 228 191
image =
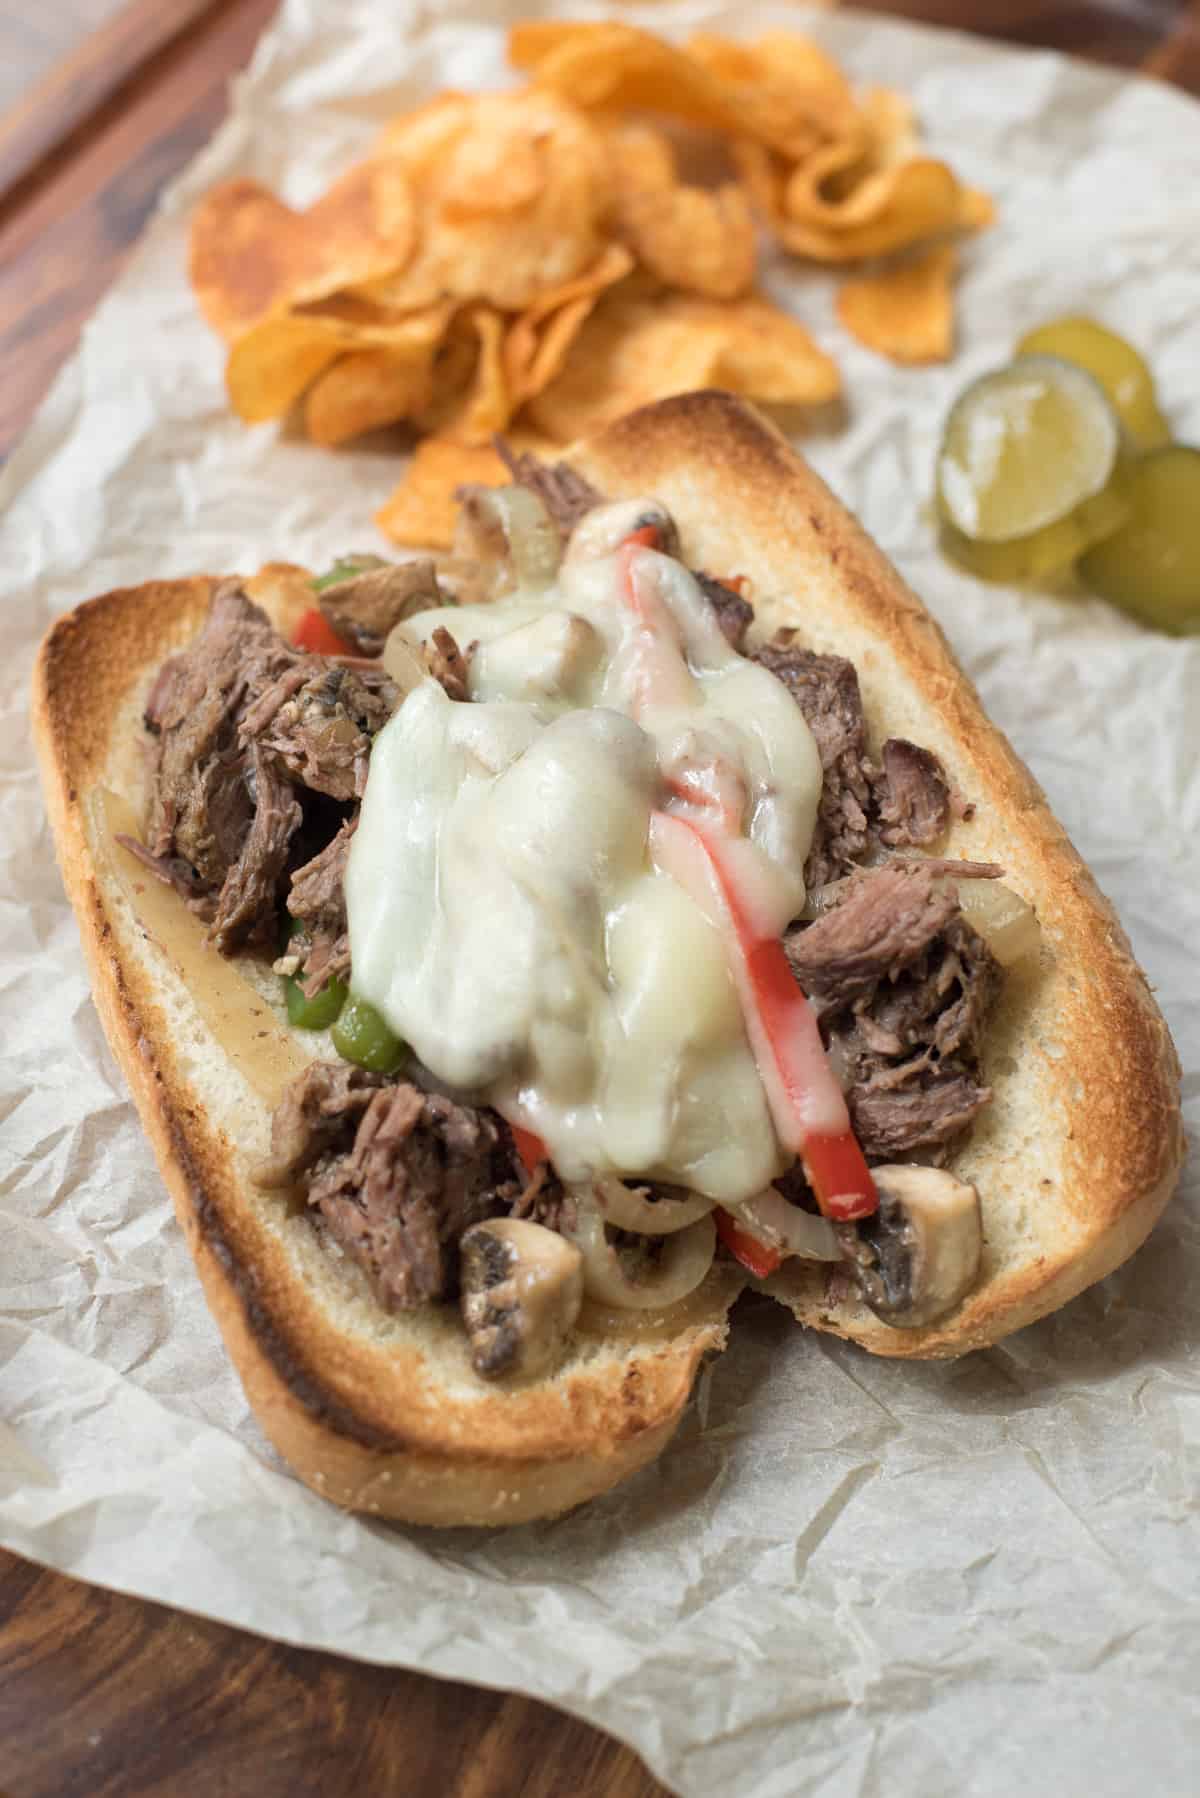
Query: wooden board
pixel 103 1696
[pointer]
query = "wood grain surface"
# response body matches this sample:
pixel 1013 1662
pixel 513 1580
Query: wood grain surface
pixel 107 1696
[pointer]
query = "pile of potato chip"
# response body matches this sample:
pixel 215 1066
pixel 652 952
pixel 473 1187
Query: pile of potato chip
pixel 534 262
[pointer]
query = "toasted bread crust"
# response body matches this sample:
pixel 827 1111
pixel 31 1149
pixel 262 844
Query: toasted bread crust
pixel 370 1426
pixel 372 1423
pixel 1108 1100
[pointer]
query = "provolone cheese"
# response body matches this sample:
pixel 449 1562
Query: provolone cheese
pixel 504 913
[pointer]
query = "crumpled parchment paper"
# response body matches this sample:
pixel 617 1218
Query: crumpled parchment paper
pixel 847 1576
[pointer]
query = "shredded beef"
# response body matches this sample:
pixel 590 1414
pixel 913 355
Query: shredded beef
pixel 734 614
pixel 448 664
pixel 886 919
pixel 924 1116
pixel 902 985
pixel 395 1174
pixel 238 725
pixel 319 1111
pixel 826 690
pixel 907 801
pixel 913 795
pixel 199 807
pixel 220 820
pixel 364 607
pixel 942 999
pixel 317 719
pixel 317 898
pixel 565 494
pixel 245 910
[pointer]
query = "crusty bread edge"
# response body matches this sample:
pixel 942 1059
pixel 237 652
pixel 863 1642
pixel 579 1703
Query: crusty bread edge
pixel 1126 1136
pixel 344 1428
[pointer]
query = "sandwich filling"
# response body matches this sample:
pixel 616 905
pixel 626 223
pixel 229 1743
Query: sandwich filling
pixel 607 904
pixel 510 912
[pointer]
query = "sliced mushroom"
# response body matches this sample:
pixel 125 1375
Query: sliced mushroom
pixel 364 607
pixel 919 1255
pixel 522 1286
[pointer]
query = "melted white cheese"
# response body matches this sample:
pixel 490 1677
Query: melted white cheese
pixel 504 913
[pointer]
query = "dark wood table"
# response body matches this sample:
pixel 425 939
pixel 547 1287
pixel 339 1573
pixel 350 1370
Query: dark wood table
pixel 103 103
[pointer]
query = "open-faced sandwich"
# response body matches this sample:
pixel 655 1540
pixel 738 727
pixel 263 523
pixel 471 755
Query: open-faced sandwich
pixel 514 956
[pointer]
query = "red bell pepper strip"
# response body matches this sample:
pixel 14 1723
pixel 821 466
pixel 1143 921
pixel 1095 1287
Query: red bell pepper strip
pixel 314 632
pixel 806 1102
pixel 754 1255
pixel 529 1147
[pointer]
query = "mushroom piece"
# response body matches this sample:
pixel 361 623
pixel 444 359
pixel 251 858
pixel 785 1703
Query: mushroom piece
pixel 522 1286
pixel 370 602
pixel 919 1255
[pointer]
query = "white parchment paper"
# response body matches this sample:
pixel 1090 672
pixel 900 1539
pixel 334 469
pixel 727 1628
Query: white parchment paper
pixel 847 1576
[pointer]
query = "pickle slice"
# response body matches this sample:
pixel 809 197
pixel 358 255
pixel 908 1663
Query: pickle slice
pixel 1023 448
pixel 1044 554
pixel 1117 366
pixel 1151 566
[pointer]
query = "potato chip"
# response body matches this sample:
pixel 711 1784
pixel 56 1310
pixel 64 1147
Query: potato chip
pixel 788 73
pixel 453 371
pixel 250 253
pixel 637 346
pixel 641 344
pixel 271 365
pixel 487 405
pixel 889 210
pixel 364 391
pixel 641 156
pixel 790 56
pixel 767 355
pixel 539 339
pixel 610 64
pixel 546 223
pixel 905 313
pixel 424 507
pixel 700 239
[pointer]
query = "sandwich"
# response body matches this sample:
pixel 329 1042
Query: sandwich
pixel 514 957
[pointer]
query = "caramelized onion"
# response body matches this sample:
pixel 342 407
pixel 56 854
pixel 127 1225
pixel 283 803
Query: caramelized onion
pixel 685 1259
pixel 239 1018
pixel 779 1224
pixel 403 662
pixel 1007 923
pixel 625 1208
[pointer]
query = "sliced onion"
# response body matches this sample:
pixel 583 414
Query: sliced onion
pixel 402 661
pixel 509 528
pixel 685 1260
pixel 1006 922
pixel 625 1209
pixel 779 1224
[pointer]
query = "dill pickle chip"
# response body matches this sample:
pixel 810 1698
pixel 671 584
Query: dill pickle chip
pixel 1151 566
pixel 1117 366
pixel 1049 552
pixel 1023 447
